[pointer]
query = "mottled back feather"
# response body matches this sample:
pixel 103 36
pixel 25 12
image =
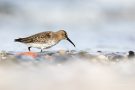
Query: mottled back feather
pixel 42 37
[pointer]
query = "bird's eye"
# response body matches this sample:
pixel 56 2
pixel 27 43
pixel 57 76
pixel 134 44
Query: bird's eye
pixel 65 35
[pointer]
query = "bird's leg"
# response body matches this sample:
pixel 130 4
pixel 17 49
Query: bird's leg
pixel 41 50
pixel 29 48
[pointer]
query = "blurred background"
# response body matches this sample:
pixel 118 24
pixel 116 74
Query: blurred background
pixel 91 24
pixel 106 25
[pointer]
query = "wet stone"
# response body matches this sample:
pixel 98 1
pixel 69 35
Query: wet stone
pixel 65 56
pixel 99 51
pixel 3 55
pixel 131 54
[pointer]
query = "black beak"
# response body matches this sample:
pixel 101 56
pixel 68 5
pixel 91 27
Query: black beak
pixel 70 41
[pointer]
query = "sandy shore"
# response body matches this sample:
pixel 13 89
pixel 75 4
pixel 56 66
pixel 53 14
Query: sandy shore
pixel 67 70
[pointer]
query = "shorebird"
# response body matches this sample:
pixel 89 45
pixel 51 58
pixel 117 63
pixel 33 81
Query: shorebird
pixel 44 40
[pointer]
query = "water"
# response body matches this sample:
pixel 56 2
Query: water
pixel 98 25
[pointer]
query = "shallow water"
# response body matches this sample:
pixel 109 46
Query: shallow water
pixel 96 25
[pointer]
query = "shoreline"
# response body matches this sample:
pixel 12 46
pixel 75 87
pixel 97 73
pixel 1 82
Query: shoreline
pixel 63 55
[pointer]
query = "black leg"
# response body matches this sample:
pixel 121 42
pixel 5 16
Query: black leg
pixel 29 48
pixel 41 50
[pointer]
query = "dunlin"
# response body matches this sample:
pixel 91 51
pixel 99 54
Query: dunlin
pixel 44 40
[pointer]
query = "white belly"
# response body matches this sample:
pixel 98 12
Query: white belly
pixel 41 46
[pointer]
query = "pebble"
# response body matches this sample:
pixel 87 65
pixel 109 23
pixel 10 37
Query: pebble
pixel 63 55
pixel 62 52
pixel 3 55
pixel 131 54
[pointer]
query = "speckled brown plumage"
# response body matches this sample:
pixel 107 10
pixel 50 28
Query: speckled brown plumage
pixel 44 39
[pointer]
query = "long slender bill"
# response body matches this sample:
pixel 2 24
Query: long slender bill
pixel 71 42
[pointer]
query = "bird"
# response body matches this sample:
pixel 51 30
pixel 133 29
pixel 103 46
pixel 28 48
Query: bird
pixel 44 40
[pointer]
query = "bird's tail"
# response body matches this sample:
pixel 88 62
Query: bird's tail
pixel 19 40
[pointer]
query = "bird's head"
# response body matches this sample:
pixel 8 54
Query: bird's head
pixel 63 35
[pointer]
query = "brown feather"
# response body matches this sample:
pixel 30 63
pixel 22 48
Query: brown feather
pixel 42 37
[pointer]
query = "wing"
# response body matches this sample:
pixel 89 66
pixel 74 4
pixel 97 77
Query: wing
pixel 42 37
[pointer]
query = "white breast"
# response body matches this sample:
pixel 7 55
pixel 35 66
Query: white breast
pixel 42 46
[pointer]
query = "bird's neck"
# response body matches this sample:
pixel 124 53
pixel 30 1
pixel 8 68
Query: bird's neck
pixel 58 37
